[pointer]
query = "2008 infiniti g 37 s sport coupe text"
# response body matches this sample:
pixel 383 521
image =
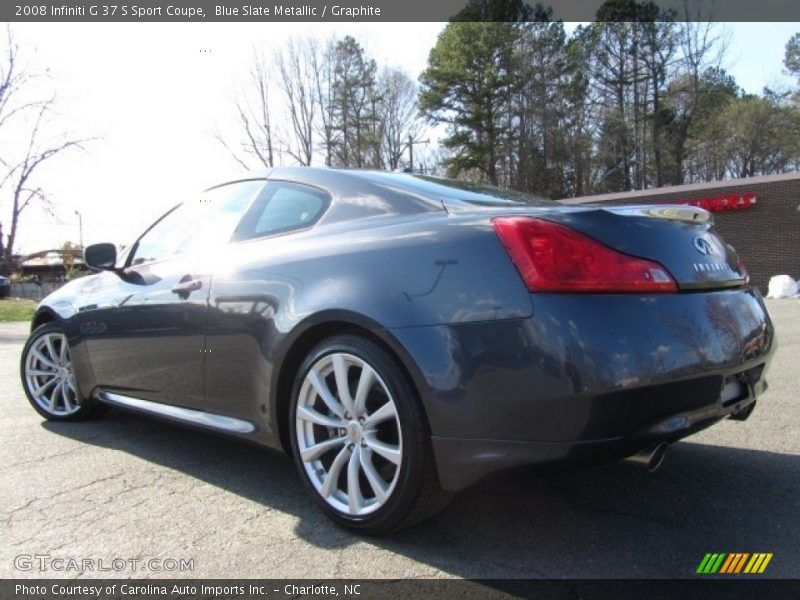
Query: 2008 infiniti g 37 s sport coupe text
pixel 402 336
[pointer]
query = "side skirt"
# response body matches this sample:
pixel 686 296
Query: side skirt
pixel 187 415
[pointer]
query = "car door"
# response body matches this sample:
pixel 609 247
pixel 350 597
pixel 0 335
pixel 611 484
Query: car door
pixel 145 324
pixel 251 296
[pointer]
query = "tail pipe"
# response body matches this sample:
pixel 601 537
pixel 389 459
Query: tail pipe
pixel 650 458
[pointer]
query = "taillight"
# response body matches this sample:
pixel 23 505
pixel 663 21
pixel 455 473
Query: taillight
pixel 554 258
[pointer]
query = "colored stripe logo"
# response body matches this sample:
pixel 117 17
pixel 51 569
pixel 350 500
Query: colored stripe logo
pixel 733 563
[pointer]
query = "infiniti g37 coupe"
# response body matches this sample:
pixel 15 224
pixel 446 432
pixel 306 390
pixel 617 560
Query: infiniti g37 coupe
pixel 402 336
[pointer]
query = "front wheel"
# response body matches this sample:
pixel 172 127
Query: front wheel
pixel 360 440
pixel 48 377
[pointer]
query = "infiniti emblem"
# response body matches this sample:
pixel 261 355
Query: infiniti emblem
pixel 703 246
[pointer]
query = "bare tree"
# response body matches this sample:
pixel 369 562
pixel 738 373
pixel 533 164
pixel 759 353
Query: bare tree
pixel 324 69
pixel 297 68
pixel 703 47
pixel 253 111
pixel 12 81
pixel 397 115
pixel 31 118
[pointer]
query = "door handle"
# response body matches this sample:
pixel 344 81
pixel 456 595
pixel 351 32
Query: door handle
pixel 187 287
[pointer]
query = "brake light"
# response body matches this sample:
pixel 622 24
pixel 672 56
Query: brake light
pixel 554 258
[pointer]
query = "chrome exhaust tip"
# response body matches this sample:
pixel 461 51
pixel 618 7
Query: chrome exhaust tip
pixel 650 458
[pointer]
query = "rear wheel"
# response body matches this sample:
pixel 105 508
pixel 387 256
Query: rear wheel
pixel 360 440
pixel 48 377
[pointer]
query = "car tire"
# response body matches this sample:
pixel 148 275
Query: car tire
pixel 363 447
pixel 49 380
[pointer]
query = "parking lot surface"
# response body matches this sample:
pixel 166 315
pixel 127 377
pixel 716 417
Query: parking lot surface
pixel 128 487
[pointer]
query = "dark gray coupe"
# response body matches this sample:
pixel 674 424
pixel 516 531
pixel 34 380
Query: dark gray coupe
pixel 402 336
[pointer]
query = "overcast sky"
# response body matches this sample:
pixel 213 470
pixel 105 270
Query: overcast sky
pixel 153 97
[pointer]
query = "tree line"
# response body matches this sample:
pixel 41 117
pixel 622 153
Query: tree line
pixel 634 100
pixel 637 99
pixel 324 102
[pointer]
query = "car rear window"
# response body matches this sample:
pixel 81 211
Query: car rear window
pixel 282 207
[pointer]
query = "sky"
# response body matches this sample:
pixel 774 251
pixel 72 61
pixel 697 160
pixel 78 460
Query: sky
pixel 153 93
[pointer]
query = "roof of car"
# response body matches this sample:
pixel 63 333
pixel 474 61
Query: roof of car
pixel 433 190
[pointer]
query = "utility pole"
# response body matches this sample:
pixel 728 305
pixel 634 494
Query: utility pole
pixel 80 230
pixel 411 142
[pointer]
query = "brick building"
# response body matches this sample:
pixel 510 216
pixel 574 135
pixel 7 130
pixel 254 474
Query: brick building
pixel 766 233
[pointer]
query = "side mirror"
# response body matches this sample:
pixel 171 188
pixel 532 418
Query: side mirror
pixel 101 257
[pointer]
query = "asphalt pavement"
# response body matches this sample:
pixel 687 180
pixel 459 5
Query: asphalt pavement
pixel 133 497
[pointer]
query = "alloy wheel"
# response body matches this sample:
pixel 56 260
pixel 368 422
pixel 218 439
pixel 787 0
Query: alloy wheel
pixel 348 434
pixel 49 376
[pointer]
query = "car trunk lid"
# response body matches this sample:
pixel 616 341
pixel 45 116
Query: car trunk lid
pixel 680 238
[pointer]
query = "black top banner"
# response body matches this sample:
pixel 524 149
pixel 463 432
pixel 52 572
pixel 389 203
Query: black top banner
pixel 374 10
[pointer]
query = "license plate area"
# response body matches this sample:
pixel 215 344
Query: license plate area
pixel 734 389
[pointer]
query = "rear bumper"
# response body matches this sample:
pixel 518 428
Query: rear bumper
pixel 462 462
pixel 587 378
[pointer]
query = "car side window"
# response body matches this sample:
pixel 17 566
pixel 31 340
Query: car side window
pixel 282 207
pixel 206 222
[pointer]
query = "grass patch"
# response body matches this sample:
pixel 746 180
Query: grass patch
pixel 16 309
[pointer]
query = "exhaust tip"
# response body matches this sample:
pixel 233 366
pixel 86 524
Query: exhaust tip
pixel 650 458
pixel 744 413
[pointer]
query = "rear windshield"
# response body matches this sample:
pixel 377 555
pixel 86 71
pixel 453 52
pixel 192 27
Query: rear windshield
pixel 464 192
pixel 484 195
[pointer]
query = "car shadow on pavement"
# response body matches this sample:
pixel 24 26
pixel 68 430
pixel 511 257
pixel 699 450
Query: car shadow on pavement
pixel 601 522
